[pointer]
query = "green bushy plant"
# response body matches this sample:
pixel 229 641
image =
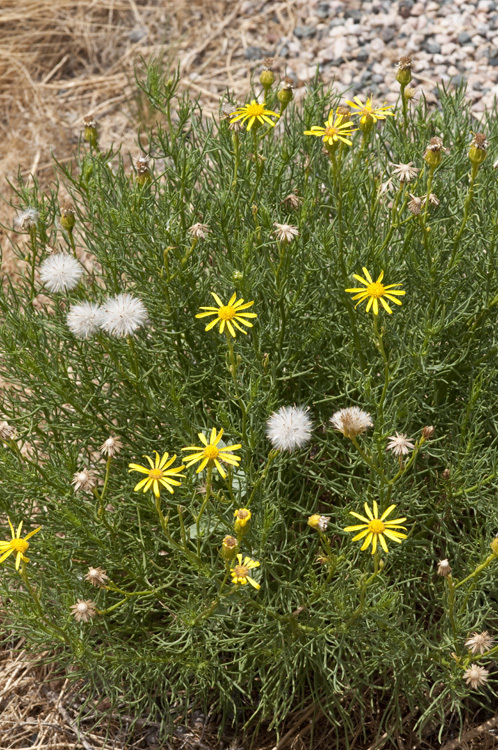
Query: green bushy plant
pixel 170 624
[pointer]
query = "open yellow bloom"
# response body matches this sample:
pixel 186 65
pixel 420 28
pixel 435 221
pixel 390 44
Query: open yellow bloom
pixel 253 112
pixel 230 315
pixel 16 544
pixel 159 474
pixel 333 131
pixel 375 291
pixel 368 112
pixel 210 453
pixel 375 528
pixel 240 572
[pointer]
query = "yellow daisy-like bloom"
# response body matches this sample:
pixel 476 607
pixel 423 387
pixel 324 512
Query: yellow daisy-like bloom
pixel 240 572
pixel 159 474
pixel 16 544
pixel 368 112
pixel 375 528
pixel 375 291
pixel 253 112
pixel 333 131
pixel 230 315
pixel 210 453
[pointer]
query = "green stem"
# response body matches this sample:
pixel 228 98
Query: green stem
pixel 203 507
pixel 366 457
pixel 236 152
pixel 405 108
pixel 233 371
pixel 34 249
pixel 476 572
pixel 259 165
pixel 72 243
pixel 34 596
pixel 468 200
pixel 209 610
pixel 451 608
pixel 271 456
pixel 364 587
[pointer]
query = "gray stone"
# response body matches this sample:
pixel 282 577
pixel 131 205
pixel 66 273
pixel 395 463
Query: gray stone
pixel 323 10
pixel 136 35
pixel 432 47
pixel 387 34
pixel 405 8
pixel 304 32
pixel 254 53
pixel 362 55
pixel 464 37
pixel 458 79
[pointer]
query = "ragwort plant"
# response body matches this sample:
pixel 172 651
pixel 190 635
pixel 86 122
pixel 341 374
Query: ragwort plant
pixel 259 357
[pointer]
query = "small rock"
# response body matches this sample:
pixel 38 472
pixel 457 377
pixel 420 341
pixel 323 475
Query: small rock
pixel 464 37
pixel 304 32
pixel 254 53
pixel 136 35
pixel 323 10
pixel 387 34
pixel 362 55
pixel 405 8
pixel 432 47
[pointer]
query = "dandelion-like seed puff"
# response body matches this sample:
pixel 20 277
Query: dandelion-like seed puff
pixel 375 291
pixel 210 453
pixel 228 315
pixel 159 474
pixel 374 528
pixel 253 113
pixel 16 544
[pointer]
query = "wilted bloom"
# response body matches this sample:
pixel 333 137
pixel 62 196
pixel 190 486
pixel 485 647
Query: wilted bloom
pixel 285 93
pixel 333 131
pixel 369 114
pixel 16 544
pixel 434 152
pixel 400 445
pixel 293 201
pixel 7 432
pixel 199 231
pixel 26 220
pixel 230 314
pixel 415 205
pixel 375 528
pixel 285 232
pixel 240 572
pixel 478 148
pixel 110 447
pixel 433 200
pixel 159 474
pixel 476 676
pixel 83 319
pixel 495 164
pixel 289 427
pixel 122 315
pixel 404 74
pixel 446 474
pixel 318 522
pixel 60 272
pixel 479 643
pixel 375 291
pixel 254 113
pixel 443 568
pixel 351 421
pixel 229 547
pixel 428 432
pixel 97 577
pixel 405 172
pixel 68 219
pixel 210 453
pixel 242 518
pixel 84 480
pixel 90 133
pixel 83 611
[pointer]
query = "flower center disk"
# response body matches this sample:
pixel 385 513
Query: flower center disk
pixel 241 571
pixel 376 526
pixel 19 545
pixel 375 290
pixel 156 474
pixel 211 451
pixel 226 312
pixel 254 110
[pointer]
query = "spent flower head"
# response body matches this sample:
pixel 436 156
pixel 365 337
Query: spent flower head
pixel 83 319
pixel 60 272
pixel 375 291
pixel 443 568
pixel 16 544
pixel 373 528
pixel 289 428
pixel 83 610
pixel 240 572
pixel 85 480
pixel 480 643
pixel 7 431
pixel 158 474
pixel 122 315
pixel 320 523
pixel 110 447
pixel 405 172
pixel 254 114
pixel 210 454
pixel 26 220
pixel 351 421
pixel 199 231
pixel 97 577
pixel 476 676
pixel 228 315
pixel 285 232
pixel 400 445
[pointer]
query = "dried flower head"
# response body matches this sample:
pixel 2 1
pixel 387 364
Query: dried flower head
pixel 415 205
pixel 89 121
pixel 289 428
pixel 434 152
pixel 443 568
pixel 110 447
pixel 84 480
pixel 26 220
pixel 476 676
pixel 400 445
pixel 286 84
pixel 97 577
pixel 479 643
pixel 351 421
pixel 122 315
pixel 318 522
pixel 268 63
pixel 142 164
pixel 480 141
pixel 285 232
pixel 405 172
pixel 435 144
pixel 60 272
pixel 7 431
pixel 83 319
pixel 68 219
pixel 433 200
pixel 199 231
pixel 446 474
pixel 478 149
pixel 495 164
pixel 428 432
pixel 293 201
pixel 229 547
pixel 83 610
pixel 405 63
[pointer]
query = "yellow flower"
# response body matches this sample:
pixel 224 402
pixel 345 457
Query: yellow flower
pixel 253 112
pixel 229 314
pixel 333 131
pixel 367 112
pixel 16 544
pixel 242 518
pixel 240 571
pixel 210 454
pixel 374 291
pixel 158 474
pixel 376 528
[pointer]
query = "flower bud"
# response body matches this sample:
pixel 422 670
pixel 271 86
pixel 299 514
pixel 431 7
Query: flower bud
pixel 443 568
pixel 67 217
pixel 90 130
pixel 267 79
pixel 237 277
pixel 142 165
pixel 242 521
pixel 494 546
pixel 434 152
pixel 285 94
pixel 366 124
pixel 318 522
pixel 404 74
pixel 228 548
pixel 478 148
pixel 428 432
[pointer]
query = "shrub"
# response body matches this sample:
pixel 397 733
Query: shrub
pixel 101 338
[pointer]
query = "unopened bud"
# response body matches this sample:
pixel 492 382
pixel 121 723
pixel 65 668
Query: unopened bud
pixel 428 432
pixel 443 568
pixel 478 148
pixel 228 548
pixel 434 152
pixel 285 94
pixel 67 217
pixel 404 74
pixel 267 79
pixel 90 133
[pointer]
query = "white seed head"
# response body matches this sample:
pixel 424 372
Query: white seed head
pixel 475 676
pixel 399 445
pixel 84 480
pixel 122 315
pixel 199 231
pixel 60 272
pixel 405 172
pixel 443 568
pixel 84 319
pixel 110 447
pixel 479 643
pixel 97 577
pixel 285 232
pixel 7 432
pixel 83 611
pixel 26 220
pixel 289 427
pixel 351 421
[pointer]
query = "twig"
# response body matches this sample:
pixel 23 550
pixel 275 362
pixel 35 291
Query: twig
pixel 476 732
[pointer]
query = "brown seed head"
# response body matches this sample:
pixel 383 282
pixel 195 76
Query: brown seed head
pixel 446 474
pixel 97 577
pixel 83 610
pixel 428 432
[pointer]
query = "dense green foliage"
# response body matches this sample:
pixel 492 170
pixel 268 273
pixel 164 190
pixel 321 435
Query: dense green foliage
pixel 317 631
